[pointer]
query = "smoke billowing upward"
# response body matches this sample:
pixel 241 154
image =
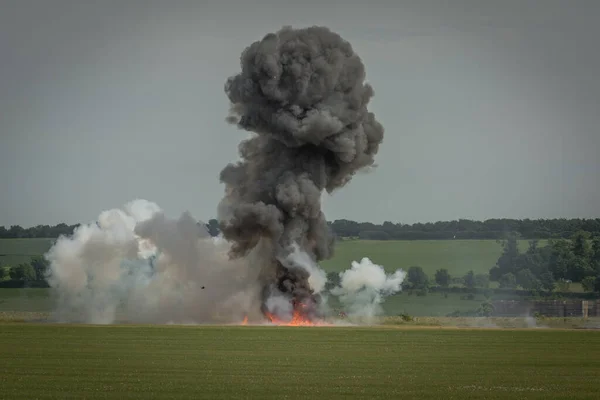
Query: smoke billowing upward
pixel 303 93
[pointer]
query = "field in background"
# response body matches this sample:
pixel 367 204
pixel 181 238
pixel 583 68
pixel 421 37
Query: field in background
pixel 434 304
pixel 458 256
pixel 16 251
pixel 136 362
pixel 32 300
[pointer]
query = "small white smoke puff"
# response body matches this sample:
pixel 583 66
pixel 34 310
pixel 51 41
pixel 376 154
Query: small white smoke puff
pixel 363 287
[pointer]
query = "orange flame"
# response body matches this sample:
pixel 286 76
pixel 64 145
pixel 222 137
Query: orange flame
pixel 298 319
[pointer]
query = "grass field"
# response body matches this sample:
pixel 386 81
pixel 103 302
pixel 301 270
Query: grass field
pixel 43 361
pixel 34 300
pixel 434 304
pixel 458 256
pixel 16 251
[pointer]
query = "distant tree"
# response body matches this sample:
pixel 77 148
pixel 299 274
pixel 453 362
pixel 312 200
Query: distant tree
pixel 469 279
pixel 563 285
pixel 507 263
pixel 22 272
pixel 40 266
pixel 508 281
pixel 561 259
pixel 374 235
pixel 16 232
pixel 527 280
pixel 597 284
pixel 589 283
pixel 3 273
pixel 442 277
pixel 457 280
pixel 579 268
pixel 482 280
pixel 546 279
pixel 486 308
pixel 581 245
pixel 595 253
pixel 417 278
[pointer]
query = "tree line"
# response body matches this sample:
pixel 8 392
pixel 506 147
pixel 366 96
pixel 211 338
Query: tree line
pixel 32 273
pixel 558 228
pixel 39 231
pixel 554 266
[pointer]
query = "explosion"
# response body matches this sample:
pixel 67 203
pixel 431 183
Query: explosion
pixel 302 92
pixel 302 95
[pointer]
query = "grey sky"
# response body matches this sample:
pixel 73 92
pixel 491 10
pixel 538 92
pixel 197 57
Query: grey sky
pixel 491 108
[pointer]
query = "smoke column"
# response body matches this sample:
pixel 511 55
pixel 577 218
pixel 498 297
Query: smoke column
pixel 302 92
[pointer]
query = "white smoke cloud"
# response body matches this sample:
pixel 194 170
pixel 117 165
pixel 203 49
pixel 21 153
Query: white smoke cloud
pixel 363 287
pixel 134 264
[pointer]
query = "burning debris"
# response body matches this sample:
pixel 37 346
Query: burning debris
pixel 302 93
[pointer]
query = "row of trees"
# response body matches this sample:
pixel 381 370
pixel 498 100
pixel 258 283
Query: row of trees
pixel 466 229
pixel 417 279
pixel 458 229
pixel 39 231
pixel 33 271
pixel 555 265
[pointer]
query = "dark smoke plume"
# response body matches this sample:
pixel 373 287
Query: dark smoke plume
pixel 303 92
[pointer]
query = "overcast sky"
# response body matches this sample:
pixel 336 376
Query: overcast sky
pixel 491 108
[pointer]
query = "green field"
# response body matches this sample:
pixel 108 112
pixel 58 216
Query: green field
pixel 458 256
pixel 33 300
pixel 16 251
pixel 434 304
pixel 43 361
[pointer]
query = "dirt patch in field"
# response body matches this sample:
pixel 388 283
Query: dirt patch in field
pixel 24 316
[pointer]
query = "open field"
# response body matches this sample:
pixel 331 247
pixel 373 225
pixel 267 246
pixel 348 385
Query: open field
pixel 458 256
pixel 32 300
pixel 434 304
pixel 47 361
pixel 15 251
